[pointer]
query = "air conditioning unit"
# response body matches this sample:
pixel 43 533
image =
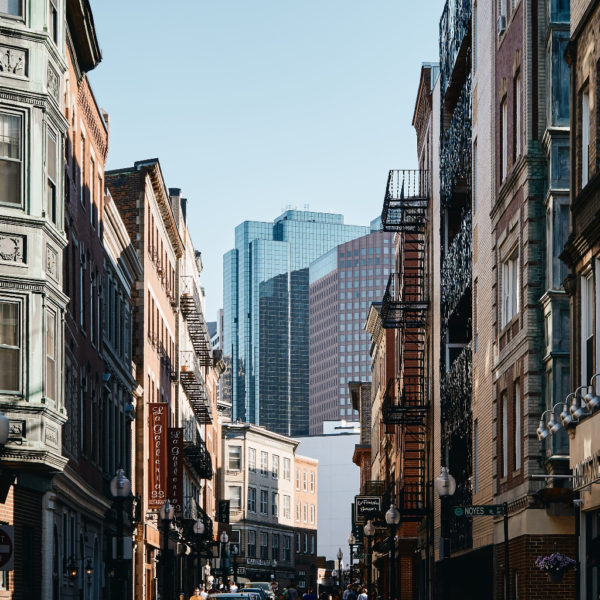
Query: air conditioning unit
pixel 501 24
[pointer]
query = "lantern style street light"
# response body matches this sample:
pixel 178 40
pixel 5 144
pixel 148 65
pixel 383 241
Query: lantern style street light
pixel 369 530
pixel 120 488
pixel 224 538
pixel 340 555
pixel 351 544
pixel 166 513
pixel 199 529
pixel 392 518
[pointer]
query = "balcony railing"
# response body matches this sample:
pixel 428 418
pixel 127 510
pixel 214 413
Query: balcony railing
pixel 412 501
pixel 404 302
pixel 406 198
pixel 456 147
pixel 406 405
pixel 191 308
pixel 455 394
pixel 198 457
pixel 455 28
pixel 194 385
pixel 461 528
pixel 457 268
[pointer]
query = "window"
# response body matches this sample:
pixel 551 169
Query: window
pixel 264 463
pixel 10 157
pixel 252 499
pixel 504 402
pixel 306 543
pixel 10 351
pixel 585 137
pixel 264 502
pixel 82 176
pixel 235 458
pixel 287 546
pixel 286 507
pixel 264 545
pixel 298 543
pixel 312 482
pixel 252 460
pixel 53 20
pixel 275 546
pixel 286 469
pixel 312 544
pixel 587 329
pixel 51 376
pixel 305 513
pixel 312 513
pixel 251 543
pixel 304 481
pixel 298 509
pixel 92 178
pixel 51 176
pixel 517 119
pixel 504 138
pixel 235 497
pixel 298 479
pixel 474 182
pixel 274 504
pixel 12 7
pixel 474 44
pixel 510 289
pixel 275 466
pixel 517 427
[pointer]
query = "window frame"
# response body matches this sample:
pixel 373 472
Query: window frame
pixel 21 116
pixel 236 460
pixel 503 139
pixel 585 136
pixel 21 341
pixel 264 502
pixel 232 499
pixel 20 17
pixel 252 460
pixel 51 314
pixel 264 463
pixel 511 278
pixel 251 499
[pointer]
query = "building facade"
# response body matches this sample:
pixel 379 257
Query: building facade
pixel 33 305
pixel 257 479
pixel 343 283
pixel 265 329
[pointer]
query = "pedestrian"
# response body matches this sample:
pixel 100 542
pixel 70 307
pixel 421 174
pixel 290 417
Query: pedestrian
pixel 292 593
pixel 196 595
pixel 204 593
pixel 363 595
pixel 233 588
pixel 347 593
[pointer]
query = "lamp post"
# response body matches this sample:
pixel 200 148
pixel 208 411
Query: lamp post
pixel 340 555
pixel 445 486
pixel 392 518
pixel 224 538
pixel 198 531
pixel 274 573
pixel 120 488
pixel 351 544
pixel 369 530
pixel 234 549
pixel 166 516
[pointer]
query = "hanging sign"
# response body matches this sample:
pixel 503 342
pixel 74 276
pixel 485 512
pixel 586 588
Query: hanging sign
pixel 157 472
pixel 366 507
pixel 175 467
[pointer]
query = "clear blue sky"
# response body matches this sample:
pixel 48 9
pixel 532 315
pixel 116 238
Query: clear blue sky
pixel 252 105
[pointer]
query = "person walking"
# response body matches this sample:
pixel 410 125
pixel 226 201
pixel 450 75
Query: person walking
pixel 196 595
pixel 292 593
pixel 363 594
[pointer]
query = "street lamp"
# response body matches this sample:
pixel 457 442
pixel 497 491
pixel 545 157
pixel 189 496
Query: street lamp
pixel 340 555
pixel 224 538
pixel 274 573
pixel 392 518
pixel 198 532
pixel 166 516
pixel 234 550
pixel 120 488
pixel 351 544
pixel 369 530
pixel 445 486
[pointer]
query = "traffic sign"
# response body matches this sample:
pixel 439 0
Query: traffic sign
pixel 7 547
pixel 479 510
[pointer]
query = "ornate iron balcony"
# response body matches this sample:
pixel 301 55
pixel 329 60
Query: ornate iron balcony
pixel 456 388
pixel 456 150
pixel 405 406
pixel 455 29
pixel 461 528
pixel 191 308
pixel 457 268
pixel 193 383
pixel 406 199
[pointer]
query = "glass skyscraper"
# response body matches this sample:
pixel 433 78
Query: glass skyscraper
pixel 265 325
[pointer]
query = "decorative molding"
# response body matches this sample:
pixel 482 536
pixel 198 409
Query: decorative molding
pixel 17 429
pixel 13 247
pixel 51 261
pixel 51 436
pixel 35 101
pixel 53 83
pixel 91 118
pixel 13 61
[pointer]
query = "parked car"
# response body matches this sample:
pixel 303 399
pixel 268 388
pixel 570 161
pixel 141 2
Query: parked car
pixel 237 596
pixel 260 591
pixel 263 585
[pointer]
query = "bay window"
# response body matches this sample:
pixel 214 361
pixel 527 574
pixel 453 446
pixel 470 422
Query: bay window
pixel 10 350
pixel 10 156
pixel 12 7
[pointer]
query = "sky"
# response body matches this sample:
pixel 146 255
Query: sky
pixel 256 105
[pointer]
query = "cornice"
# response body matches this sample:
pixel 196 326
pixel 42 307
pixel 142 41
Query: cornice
pixel 29 221
pixel 76 490
pixel 32 457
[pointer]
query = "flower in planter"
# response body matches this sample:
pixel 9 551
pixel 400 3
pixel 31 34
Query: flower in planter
pixel 555 563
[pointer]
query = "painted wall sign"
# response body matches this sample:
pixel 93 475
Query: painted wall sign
pixel 157 472
pixel 586 472
pixel 175 467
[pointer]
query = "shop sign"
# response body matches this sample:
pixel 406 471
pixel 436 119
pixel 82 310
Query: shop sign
pixel 259 562
pixel 366 507
pixel 586 472
pixel 157 473
pixel 175 467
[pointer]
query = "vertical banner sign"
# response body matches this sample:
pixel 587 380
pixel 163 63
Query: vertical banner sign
pixel 175 468
pixel 157 473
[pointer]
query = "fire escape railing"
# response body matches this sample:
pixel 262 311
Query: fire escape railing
pixel 193 383
pixel 198 457
pixel 191 308
pixel 406 201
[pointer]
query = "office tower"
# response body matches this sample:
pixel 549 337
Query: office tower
pixel 265 328
pixel 343 283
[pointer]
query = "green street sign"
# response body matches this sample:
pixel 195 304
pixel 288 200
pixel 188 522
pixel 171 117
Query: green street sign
pixel 479 510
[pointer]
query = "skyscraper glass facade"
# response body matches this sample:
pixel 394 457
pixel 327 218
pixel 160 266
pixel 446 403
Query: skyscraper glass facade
pixel 265 302
pixel 342 285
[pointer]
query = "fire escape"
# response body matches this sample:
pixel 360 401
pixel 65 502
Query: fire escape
pixel 404 307
pixel 456 258
pixel 193 361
